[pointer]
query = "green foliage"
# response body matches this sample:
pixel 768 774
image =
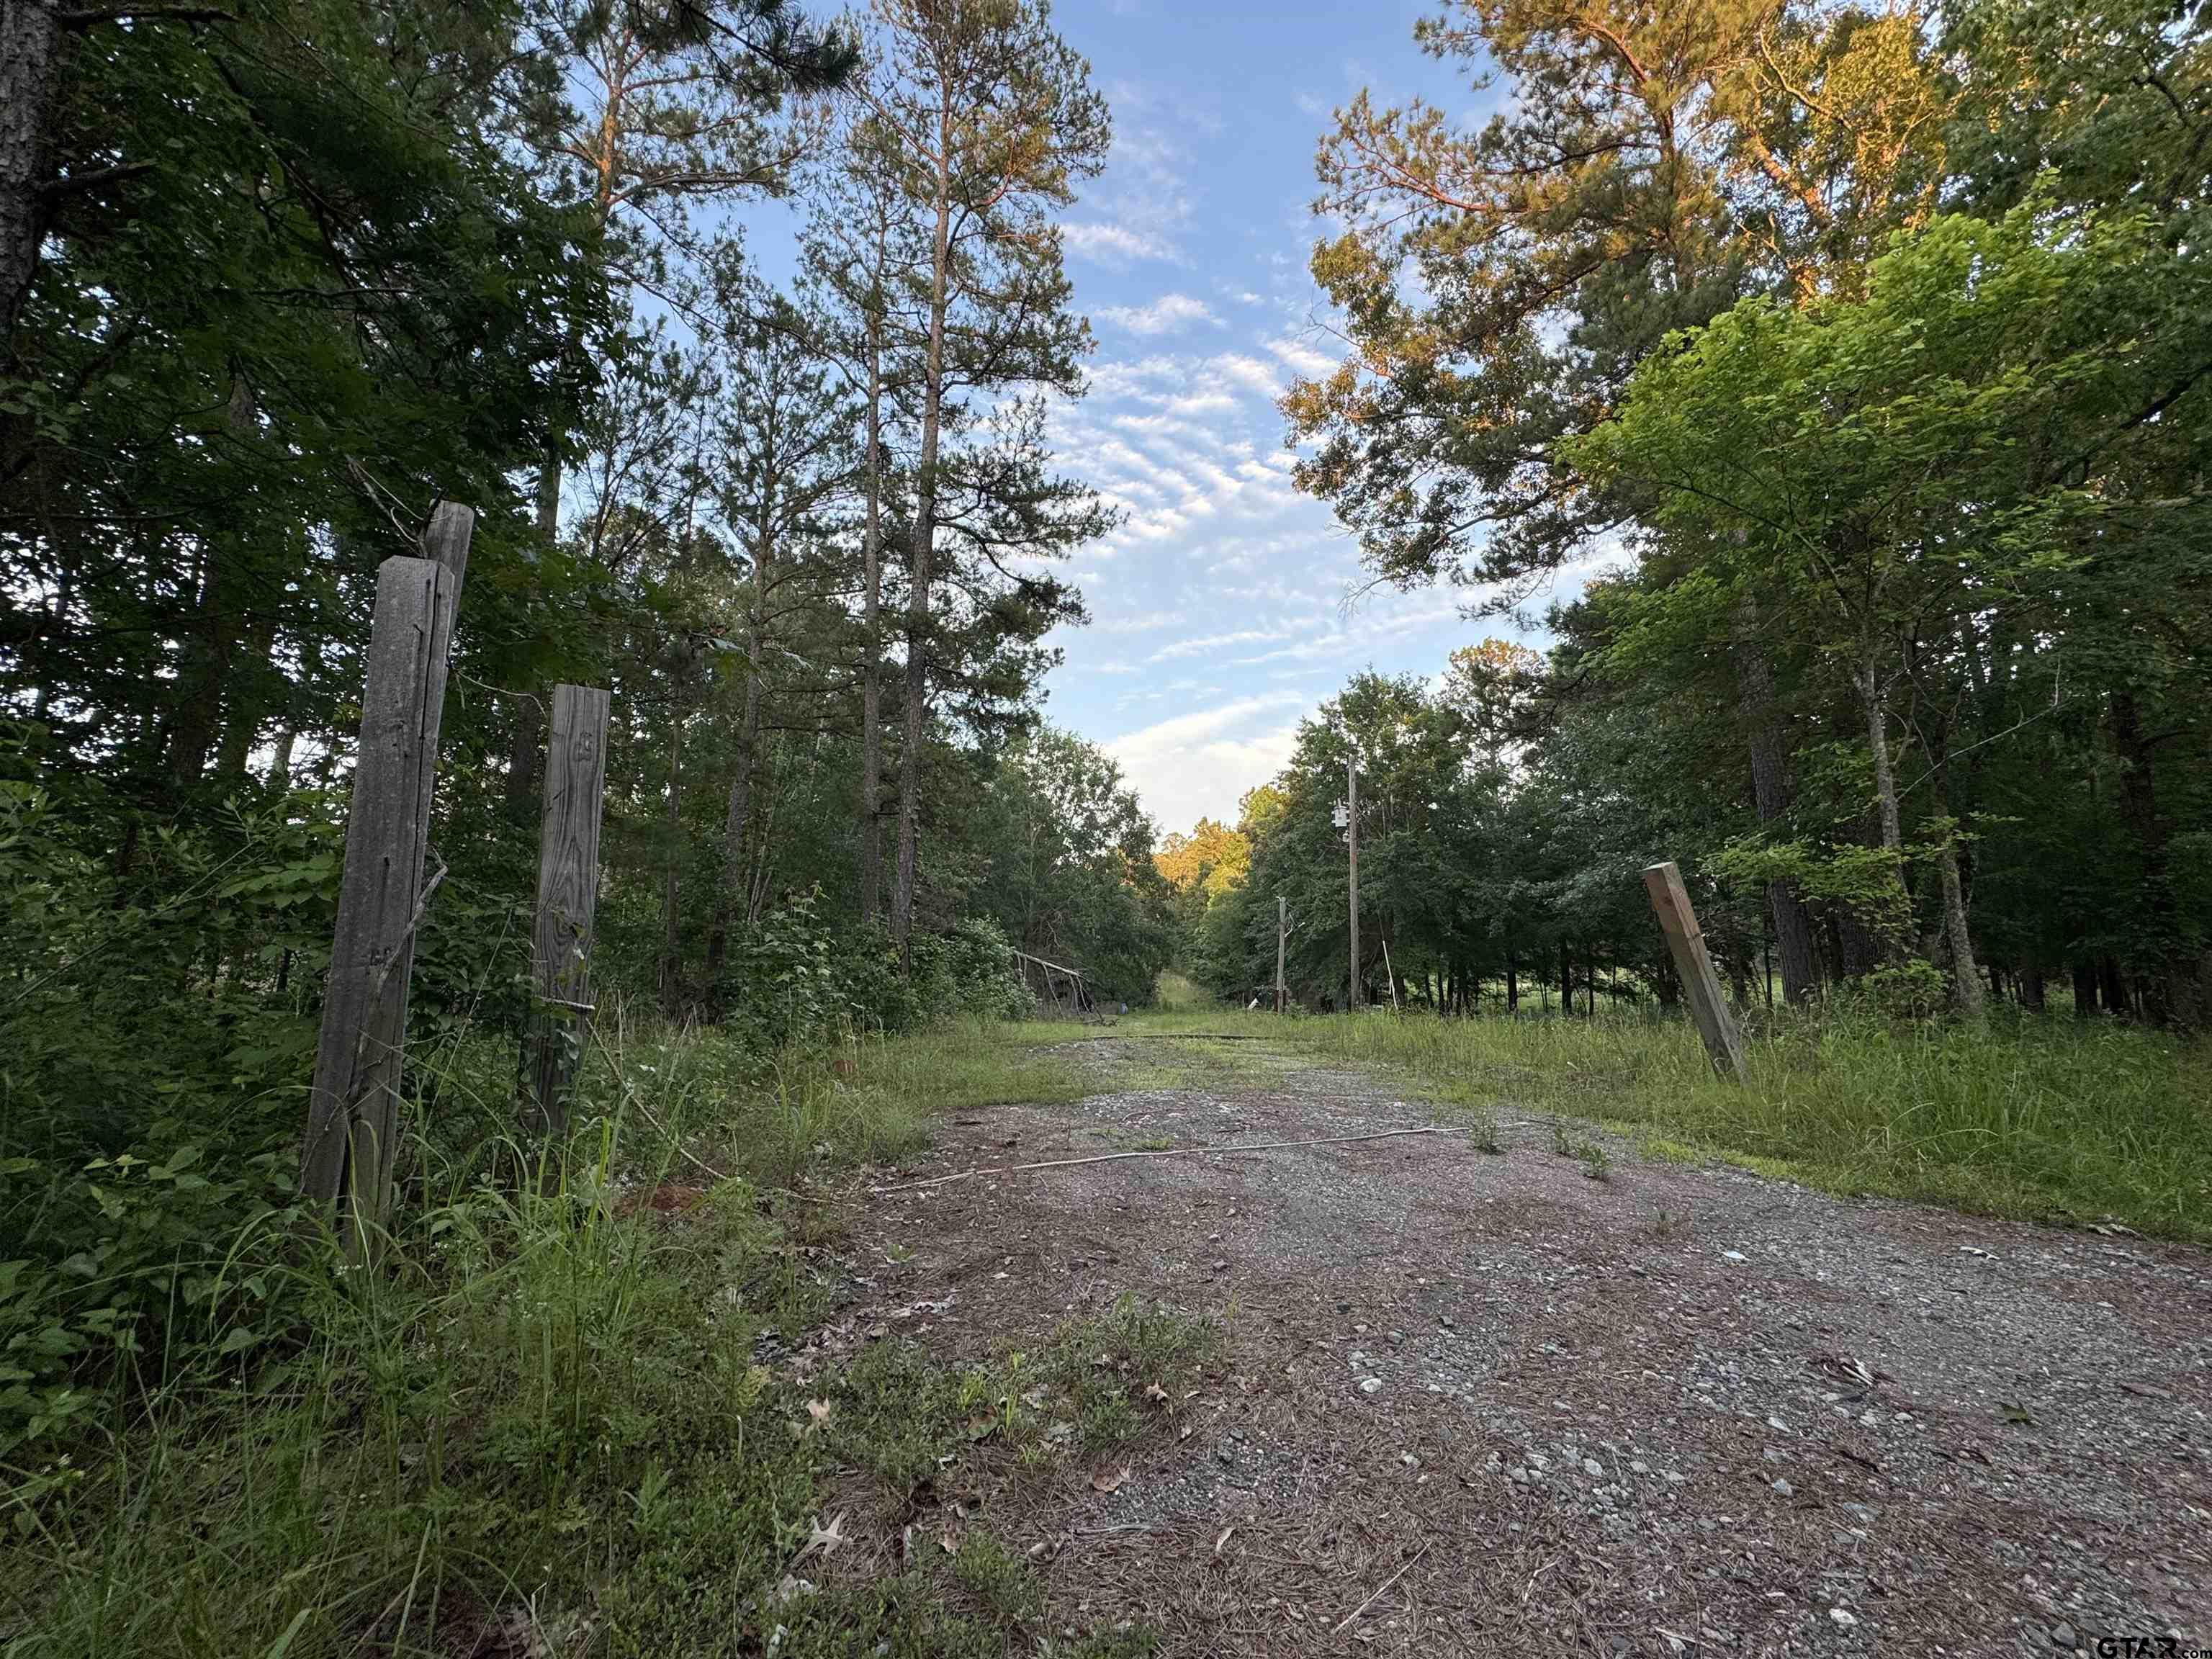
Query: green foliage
pixel 1073 876
pixel 150 1104
pixel 1912 496
pixel 1910 990
pixel 1498 280
pixel 1587 1152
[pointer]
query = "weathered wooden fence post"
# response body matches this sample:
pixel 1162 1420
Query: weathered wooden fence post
pixel 353 1117
pixel 568 893
pixel 1671 902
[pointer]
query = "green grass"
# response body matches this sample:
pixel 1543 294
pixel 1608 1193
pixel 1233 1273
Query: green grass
pixel 870 1102
pixel 1177 994
pixel 2045 1118
pixel 1127 1369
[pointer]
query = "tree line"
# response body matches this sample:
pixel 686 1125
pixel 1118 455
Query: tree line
pixel 278 275
pixel 1840 373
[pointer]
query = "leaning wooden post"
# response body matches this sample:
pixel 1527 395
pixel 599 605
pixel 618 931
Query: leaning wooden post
pixel 353 1117
pixel 1700 984
pixel 568 893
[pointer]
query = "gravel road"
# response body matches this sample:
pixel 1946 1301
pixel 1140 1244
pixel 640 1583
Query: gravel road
pixel 1483 1403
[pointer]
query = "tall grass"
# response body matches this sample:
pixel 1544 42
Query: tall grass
pixel 542 1413
pixel 2047 1118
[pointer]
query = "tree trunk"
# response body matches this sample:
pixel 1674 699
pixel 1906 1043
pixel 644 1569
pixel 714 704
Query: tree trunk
pixel 205 673
pixel 1966 977
pixel 201 674
pixel 1893 930
pixel 732 886
pixel 280 761
pixel 528 735
pixel 872 645
pixel 1770 793
pixel 248 703
pixel 2084 975
pixel 925 537
pixel 1512 981
pixel 2157 947
pixel 30 70
pixel 521 801
pixel 2031 984
pixel 2113 984
pixel 671 938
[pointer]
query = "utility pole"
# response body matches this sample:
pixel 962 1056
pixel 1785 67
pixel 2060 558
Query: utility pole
pixel 1352 842
pixel 1282 932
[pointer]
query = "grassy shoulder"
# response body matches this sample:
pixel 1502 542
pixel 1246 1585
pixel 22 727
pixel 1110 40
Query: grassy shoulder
pixel 552 1422
pixel 2045 1119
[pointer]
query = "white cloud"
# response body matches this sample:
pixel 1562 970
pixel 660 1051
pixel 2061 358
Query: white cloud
pixel 1210 643
pixel 1169 311
pixel 1138 623
pixel 1302 357
pixel 1250 373
pixel 1199 764
pixel 1116 245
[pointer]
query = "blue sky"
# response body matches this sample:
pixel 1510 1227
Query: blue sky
pixel 1219 608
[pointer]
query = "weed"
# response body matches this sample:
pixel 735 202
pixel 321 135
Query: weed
pixel 1003 1584
pixel 1177 994
pixel 898 1416
pixel 1592 1156
pixel 1127 1640
pixel 1124 1369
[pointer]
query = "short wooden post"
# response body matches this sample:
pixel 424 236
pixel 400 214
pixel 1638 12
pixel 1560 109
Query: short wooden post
pixel 353 1119
pixel 1670 901
pixel 568 893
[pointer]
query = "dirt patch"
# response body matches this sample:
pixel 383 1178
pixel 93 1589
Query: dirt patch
pixel 1477 1403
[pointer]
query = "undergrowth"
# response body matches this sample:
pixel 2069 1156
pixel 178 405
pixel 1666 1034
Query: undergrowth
pixel 540 1422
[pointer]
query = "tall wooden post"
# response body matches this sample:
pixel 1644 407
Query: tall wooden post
pixel 568 893
pixel 353 1116
pixel 1670 901
pixel 1352 842
pixel 1282 932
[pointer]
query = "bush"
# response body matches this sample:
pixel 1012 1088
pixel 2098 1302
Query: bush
pixel 795 982
pixel 153 1093
pixel 970 972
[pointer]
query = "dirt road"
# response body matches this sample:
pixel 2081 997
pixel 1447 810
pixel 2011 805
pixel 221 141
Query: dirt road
pixel 1478 1403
